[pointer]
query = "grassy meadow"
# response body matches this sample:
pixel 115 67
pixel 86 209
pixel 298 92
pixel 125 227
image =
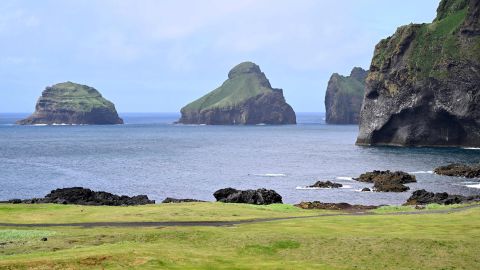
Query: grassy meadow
pixel 377 241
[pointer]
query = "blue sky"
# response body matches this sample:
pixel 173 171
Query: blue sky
pixel 158 55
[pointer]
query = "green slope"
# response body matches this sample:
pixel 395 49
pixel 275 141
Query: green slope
pixel 75 97
pixel 245 81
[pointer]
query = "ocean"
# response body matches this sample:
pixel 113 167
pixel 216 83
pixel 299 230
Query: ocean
pixel 151 155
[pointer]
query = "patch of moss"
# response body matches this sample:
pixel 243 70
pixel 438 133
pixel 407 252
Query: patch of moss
pixel 75 97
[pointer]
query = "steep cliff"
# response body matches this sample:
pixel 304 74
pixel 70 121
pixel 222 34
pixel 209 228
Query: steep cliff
pixel 424 82
pixel 246 98
pixel 71 103
pixel 344 96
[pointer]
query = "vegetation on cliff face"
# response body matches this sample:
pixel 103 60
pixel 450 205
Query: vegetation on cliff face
pixel 344 95
pixel 428 47
pixel 244 81
pixel 423 86
pixel 75 97
pixel 246 97
pixel 72 103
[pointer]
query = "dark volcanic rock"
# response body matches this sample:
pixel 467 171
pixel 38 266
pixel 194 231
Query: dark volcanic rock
pixel 83 196
pixel 246 98
pixel 387 181
pixel 459 170
pixel 333 206
pixel 398 177
pixel 71 103
pixel 389 186
pixel 259 196
pixel 344 96
pixel 173 200
pixel 327 184
pixel 424 82
pixel 424 197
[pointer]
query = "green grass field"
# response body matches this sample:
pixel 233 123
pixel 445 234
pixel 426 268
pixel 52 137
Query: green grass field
pixel 378 241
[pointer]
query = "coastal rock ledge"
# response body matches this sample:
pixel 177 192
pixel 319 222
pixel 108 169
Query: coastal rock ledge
pixel 423 88
pixel 246 98
pixel 72 104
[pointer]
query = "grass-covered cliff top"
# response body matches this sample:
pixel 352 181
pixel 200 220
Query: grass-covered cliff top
pixel 74 97
pixel 428 48
pixel 245 81
pixel 353 84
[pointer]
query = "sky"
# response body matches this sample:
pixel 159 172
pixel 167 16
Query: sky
pixel 159 55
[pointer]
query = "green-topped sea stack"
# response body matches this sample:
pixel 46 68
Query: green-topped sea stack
pixel 344 96
pixel 246 98
pixel 423 88
pixel 72 104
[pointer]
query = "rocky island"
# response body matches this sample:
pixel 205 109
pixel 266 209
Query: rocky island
pixel 424 82
pixel 245 98
pixel 70 103
pixel 344 96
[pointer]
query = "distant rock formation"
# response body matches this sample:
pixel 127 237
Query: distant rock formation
pixel 344 96
pixel 85 196
pixel 423 88
pixel 246 98
pixel 71 103
pixel 259 196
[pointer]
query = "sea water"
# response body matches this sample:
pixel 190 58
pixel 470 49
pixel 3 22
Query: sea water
pixel 151 155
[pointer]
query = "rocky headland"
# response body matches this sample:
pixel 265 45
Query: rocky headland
pixel 84 196
pixel 259 196
pixel 72 104
pixel 245 98
pixel 424 81
pixel 344 96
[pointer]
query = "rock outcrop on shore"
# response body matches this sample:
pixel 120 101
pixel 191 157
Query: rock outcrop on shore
pixel 424 82
pixel 422 197
pixel 387 181
pixel 334 206
pixel 245 98
pixel 72 104
pixel 344 97
pixel 459 170
pixel 326 184
pixel 85 196
pixel 174 200
pixel 259 196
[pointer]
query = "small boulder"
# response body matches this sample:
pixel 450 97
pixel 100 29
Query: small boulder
pixel 387 181
pixel 398 177
pixel 326 184
pixel 389 186
pixel 173 200
pixel 259 196
pixel 333 206
pixel 366 189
